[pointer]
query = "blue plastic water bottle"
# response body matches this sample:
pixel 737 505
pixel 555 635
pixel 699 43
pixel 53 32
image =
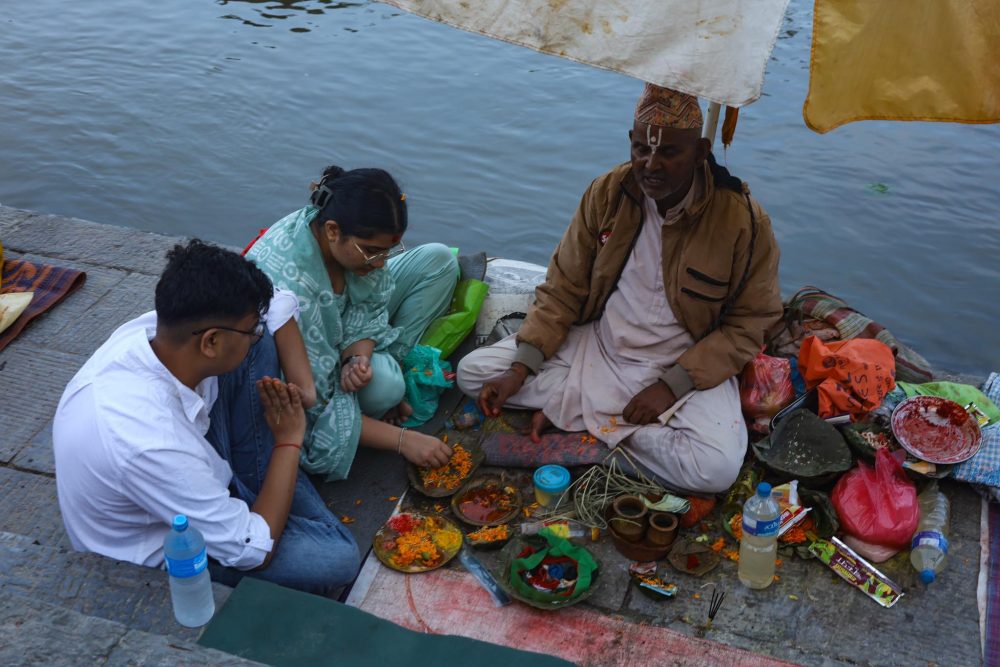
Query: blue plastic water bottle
pixel 187 564
pixel 930 542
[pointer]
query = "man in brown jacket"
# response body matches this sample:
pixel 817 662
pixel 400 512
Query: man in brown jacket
pixel 658 294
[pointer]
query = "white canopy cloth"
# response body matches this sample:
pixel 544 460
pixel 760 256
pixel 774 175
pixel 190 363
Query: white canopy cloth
pixel 715 49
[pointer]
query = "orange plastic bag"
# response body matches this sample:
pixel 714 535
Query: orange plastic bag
pixel 765 388
pixel 851 376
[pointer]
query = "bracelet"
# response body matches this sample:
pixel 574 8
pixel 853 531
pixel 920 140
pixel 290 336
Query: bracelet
pixel 399 444
pixel 344 362
pixel 287 444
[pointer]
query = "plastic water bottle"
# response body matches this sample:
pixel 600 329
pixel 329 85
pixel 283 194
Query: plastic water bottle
pixel 930 542
pixel 759 544
pixel 187 564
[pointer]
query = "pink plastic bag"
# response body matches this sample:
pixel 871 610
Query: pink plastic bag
pixel 878 505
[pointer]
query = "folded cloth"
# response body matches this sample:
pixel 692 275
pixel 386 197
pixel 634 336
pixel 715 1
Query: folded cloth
pixel 49 283
pixel 984 467
pixel 566 449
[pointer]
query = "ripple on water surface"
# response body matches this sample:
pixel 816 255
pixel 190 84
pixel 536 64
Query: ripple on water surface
pixel 210 118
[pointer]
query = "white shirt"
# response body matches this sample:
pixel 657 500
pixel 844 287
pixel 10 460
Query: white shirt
pixel 130 453
pixel 284 306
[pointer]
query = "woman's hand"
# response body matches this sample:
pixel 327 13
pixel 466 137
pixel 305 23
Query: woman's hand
pixel 424 451
pixel 283 410
pixel 356 373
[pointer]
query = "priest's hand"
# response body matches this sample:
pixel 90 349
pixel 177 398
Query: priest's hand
pixel 649 404
pixel 496 391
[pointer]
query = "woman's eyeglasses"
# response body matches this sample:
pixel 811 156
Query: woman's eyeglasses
pixel 256 333
pixel 381 256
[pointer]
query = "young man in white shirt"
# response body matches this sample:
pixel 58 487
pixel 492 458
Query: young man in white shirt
pixel 180 412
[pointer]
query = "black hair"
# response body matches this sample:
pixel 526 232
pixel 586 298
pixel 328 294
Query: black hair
pixel 203 281
pixel 722 177
pixel 363 202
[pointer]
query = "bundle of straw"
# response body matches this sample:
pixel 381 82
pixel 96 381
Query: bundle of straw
pixel 594 490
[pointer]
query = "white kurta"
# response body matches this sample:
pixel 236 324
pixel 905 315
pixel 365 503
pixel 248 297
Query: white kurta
pixel 602 365
pixel 634 342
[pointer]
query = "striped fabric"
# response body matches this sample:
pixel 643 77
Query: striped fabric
pixel 49 283
pixel 817 304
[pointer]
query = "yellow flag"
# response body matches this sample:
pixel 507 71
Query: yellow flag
pixel 932 60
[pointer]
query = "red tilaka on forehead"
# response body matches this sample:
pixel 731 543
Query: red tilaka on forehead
pixel 668 108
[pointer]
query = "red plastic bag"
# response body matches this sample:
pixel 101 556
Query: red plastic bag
pixel 765 388
pixel 878 505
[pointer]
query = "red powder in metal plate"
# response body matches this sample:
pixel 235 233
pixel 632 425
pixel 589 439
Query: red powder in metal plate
pixel 935 429
pixel 953 412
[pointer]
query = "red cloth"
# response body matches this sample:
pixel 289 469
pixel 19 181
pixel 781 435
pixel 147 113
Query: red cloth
pixel 851 376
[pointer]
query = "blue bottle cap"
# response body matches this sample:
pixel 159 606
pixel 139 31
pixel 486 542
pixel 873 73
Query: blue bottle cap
pixel 928 576
pixel 551 479
pixel 180 523
pixel 763 489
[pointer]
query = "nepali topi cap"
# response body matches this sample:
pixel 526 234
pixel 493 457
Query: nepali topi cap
pixel 668 108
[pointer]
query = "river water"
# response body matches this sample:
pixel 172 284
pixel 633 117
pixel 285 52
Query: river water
pixel 209 118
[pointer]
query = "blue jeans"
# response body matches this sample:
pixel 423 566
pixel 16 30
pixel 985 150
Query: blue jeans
pixel 316 553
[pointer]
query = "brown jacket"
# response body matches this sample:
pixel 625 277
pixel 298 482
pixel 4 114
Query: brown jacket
pixel 704 258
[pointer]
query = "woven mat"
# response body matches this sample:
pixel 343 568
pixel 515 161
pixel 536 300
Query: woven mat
pixel 49 283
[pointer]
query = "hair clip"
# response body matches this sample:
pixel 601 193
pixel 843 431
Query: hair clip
pixel 320 196
pixel 402 196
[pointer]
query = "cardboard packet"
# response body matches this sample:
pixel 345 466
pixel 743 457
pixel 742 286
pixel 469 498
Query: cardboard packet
pixel 856 571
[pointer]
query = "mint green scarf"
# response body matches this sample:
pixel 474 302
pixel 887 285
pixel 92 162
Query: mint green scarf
pixel 288 253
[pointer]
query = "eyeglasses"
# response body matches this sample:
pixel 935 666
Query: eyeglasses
pixel 256 333
pixel 381 256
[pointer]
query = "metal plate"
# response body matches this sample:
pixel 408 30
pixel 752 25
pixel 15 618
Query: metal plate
pixel 475 489
pixel 468 442
pixel 384 548
pixel 511 551
pixel 936 429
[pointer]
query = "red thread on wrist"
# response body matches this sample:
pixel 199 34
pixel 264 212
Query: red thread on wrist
pixel 288 444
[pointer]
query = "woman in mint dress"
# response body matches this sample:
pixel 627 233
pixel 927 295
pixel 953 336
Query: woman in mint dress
pixel 364 301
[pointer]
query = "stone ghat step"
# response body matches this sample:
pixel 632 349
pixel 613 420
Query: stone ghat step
pixel 136 597
pixel 38 632
pixel 30 507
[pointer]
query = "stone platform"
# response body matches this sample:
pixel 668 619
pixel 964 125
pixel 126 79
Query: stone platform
pixel 60 607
